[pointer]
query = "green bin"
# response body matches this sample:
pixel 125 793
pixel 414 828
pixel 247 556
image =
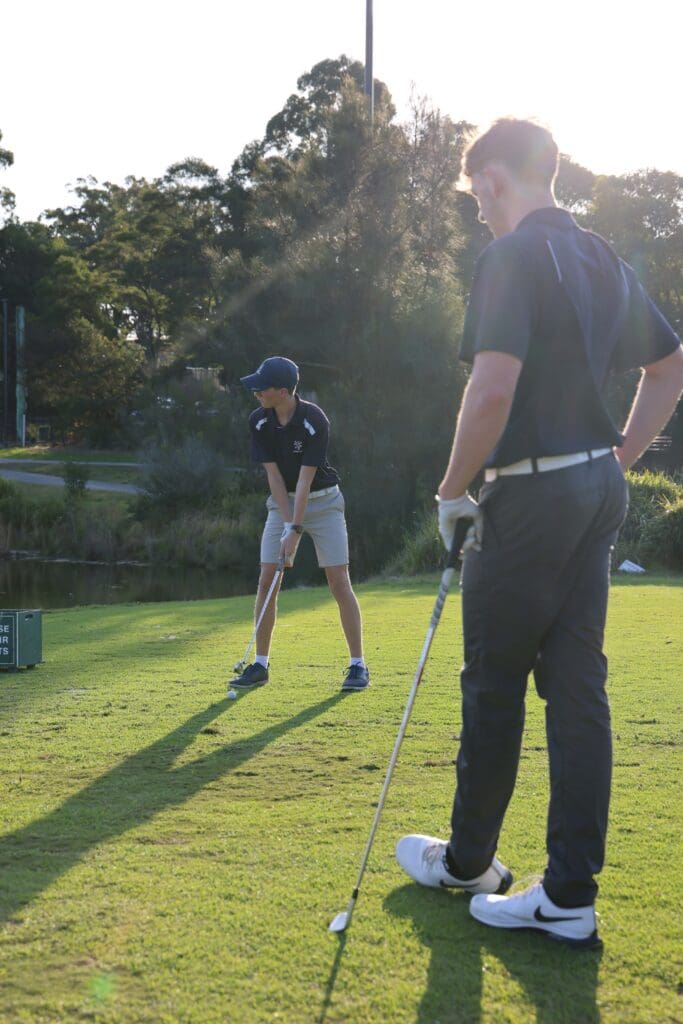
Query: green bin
pixel 21 639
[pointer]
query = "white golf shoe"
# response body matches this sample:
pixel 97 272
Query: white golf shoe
pixel 424 859
pixel 533 908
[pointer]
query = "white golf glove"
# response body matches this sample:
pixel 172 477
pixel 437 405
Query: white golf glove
pixel 452 509
pixel 288 550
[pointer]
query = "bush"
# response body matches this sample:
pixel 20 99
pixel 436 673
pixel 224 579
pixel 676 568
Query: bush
pixel 188 476
pixel 75 479
pixel 422 549
pixel 211 541
pixel 649 496
pixel 652 534
pixel 662 542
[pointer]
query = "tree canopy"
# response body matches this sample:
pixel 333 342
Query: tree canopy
pixel 343 244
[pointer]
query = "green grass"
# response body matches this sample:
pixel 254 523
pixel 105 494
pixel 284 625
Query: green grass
pixel 106 474
pixel 167 855
pixel 67 453
pixel 55 496
pixel 58 455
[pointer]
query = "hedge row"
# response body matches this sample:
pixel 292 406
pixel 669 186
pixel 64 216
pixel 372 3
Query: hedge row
pixel 652 535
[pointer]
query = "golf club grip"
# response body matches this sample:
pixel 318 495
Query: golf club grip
pixel 461 527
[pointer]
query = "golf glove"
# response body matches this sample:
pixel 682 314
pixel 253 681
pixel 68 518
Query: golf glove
pixel 286 543
pixel 452 509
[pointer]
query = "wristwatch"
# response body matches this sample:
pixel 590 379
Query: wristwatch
pixel 297 528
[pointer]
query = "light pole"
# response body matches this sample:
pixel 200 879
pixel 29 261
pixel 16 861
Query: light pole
pixel 369 79
pixel 5 375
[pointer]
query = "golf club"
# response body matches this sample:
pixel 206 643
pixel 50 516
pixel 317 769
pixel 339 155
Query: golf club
pixel 342 921
pixel 240 666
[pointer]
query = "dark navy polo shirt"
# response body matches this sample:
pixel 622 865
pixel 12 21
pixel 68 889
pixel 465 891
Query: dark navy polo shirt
pixel 302 442
pixel 559 298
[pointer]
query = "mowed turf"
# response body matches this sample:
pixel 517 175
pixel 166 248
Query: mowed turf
pixel 168 855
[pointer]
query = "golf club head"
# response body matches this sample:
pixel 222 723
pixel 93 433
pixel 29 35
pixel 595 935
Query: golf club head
pixel 239 668
pixel 340 922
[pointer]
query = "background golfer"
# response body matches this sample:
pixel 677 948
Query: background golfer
pixel 290 438
pixel 552 311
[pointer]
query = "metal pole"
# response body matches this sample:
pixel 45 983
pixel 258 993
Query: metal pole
pixel 20 332
pixel 5 373
pixel 369 78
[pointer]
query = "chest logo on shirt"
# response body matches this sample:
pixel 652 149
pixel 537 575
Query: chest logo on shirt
pixel 298 446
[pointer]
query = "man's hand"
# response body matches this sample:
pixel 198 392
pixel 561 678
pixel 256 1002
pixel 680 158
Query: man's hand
pixel 289 543
pixel 452 509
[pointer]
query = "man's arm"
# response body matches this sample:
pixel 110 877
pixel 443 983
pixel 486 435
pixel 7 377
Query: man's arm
pixel 658 393
pixel 483 416
pixel 303 489
pixel 277 488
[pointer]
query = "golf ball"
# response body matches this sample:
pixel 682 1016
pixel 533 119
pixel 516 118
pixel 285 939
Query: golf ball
pixel 232 694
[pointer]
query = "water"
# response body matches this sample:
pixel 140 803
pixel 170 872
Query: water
pixel 33 583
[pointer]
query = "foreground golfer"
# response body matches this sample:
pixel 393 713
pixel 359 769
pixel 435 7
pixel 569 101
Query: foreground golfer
pixel 289 437
pixel 551 313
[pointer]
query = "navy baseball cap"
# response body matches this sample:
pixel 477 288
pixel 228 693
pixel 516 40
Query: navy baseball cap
pixel 276 372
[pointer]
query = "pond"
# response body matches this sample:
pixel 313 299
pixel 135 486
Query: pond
pixel 38 583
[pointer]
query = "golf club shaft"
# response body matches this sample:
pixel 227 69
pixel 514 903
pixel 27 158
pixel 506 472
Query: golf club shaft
pixel 276 577
pixel 446 579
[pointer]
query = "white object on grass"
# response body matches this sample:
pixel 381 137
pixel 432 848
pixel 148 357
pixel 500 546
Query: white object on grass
pixel 628 566
pixel 232 694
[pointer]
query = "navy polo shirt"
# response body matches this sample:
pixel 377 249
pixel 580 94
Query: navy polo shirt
pixel 301 442
pixel 559 298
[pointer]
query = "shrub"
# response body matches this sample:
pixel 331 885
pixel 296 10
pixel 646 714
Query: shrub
pixel 211 541
pixel 422 549
pixel 662 542
pixel 651 534
pixel 649 495
pixel 188 476
pixel 75 479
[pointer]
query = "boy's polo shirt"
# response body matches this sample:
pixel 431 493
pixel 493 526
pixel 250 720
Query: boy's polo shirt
pixel 301 442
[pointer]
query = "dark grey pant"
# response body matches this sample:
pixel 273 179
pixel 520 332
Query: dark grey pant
pixel 535 599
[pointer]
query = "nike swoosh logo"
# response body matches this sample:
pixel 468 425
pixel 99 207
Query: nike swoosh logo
pixel 540 916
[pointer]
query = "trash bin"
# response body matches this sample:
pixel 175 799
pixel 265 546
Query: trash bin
pixel 21 640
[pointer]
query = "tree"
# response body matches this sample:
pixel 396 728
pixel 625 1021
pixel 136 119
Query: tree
pixel 81 379
pixel 346 259
pixel 640 214
pixel 79 371
pixel 574 187
pixel 7 199
pixel 156 243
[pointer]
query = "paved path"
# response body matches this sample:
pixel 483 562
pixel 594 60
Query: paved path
pixel 21 477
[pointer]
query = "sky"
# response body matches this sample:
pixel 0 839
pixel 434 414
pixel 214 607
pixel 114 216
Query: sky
pixel 128 88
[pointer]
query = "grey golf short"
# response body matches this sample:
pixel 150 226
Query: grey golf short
pixel 324 521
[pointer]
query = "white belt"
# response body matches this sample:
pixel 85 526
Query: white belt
pixel 318 494
pixel 544 464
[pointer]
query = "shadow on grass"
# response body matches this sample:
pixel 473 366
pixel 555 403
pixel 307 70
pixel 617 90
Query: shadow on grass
pixel 560 983
pixel 331 981
pixel 129 795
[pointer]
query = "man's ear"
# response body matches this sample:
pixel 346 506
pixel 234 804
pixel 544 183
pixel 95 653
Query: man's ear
pixel 496 178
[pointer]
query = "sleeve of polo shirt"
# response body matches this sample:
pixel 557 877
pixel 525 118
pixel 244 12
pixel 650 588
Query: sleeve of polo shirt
pixel 260 451
pixel 500 310
pixel 317 428
pixel 647 336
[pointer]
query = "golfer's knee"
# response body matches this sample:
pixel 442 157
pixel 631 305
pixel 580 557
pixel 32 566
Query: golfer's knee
pixel 340 585
pixel 268 570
